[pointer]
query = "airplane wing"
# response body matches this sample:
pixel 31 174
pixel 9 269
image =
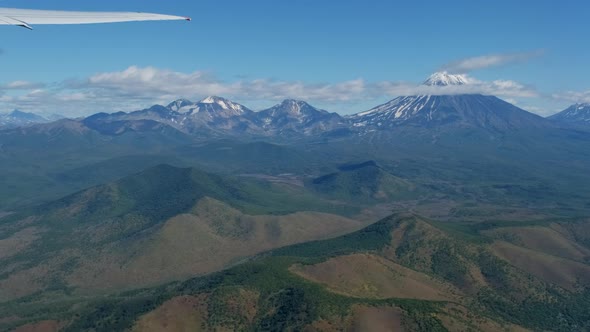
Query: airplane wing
pixel 29 17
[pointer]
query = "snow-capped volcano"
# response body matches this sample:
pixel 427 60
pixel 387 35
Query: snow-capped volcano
pixel 443 79
pixel 575 114
pixel 466 110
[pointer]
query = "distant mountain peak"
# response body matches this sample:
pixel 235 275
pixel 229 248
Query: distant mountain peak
pixel 16 113
pixel 225 104
pixel 295 106
pixel 293 101
pixel 18 118
pixel 24 115
pixel 297 116
pixel 582 105
pixel 179 104
pixel 575 114
pixel 212 100
pixel 443 78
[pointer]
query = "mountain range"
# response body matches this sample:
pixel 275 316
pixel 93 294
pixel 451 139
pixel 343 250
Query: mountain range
pixel 290 137
pixel 219 116
pixel 216 116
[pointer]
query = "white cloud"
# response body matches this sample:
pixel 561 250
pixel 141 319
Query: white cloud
pixel 22 85
pixel 573 96
pixel 485 61
pixel 501 88
pixel 148 82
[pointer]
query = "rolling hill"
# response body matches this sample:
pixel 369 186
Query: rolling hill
pixel 402 272
pixel 364 182
pixel 162 224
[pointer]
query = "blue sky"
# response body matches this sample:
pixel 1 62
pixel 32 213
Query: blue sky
pixel 343 56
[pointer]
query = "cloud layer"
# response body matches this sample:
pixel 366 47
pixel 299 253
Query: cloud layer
pixel 138 87
pixel 573 96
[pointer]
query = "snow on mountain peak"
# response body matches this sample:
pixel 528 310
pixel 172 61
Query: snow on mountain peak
pixel 223 103
pixel 219 104
pixel 294 106
pixel 577 113
pixel 212 100
pixel 293 102
pixel 179 104
pixel 444 78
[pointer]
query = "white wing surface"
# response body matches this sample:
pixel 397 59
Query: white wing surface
pixel 29 17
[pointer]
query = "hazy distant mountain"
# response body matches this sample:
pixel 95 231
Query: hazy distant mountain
pixel 297 117
pixel 578 114
pixel 463 110
pixel 19 119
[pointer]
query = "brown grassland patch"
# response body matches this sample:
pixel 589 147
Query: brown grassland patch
pixel 18 241
pixel 365 275
pixel 43 326
pixel 375 319
pixel 179 314
pixel 542 239
pixel 557 270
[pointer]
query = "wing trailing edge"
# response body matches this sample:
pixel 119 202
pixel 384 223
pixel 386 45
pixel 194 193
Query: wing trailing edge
pixel 30 17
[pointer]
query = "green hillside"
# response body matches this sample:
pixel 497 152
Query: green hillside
pixel 46 162
pixel 162 224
